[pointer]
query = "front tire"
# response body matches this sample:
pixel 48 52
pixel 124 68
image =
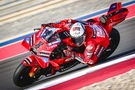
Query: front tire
pixel 21 76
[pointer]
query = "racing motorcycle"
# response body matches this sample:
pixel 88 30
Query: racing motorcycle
pixel 46 47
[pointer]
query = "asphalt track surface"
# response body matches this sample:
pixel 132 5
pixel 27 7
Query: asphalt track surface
pixel 8 66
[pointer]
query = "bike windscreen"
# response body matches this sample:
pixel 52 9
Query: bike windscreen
pixel 50 35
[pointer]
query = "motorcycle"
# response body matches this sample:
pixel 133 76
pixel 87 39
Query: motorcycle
pixel 47 49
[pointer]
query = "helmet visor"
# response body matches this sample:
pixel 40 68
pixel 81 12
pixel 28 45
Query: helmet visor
pixel 79 40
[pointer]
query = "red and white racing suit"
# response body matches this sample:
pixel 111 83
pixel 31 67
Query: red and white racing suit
pixel 97 39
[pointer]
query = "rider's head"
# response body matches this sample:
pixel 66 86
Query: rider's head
pixel 77 33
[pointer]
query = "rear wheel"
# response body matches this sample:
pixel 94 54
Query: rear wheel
pixel 21 76
pixel 114 42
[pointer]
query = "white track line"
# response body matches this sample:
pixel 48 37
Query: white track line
pixel 79 73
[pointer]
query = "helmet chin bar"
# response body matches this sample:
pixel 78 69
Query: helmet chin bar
pixel 79 40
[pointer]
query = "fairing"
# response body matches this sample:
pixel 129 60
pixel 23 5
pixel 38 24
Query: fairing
pixel 41 44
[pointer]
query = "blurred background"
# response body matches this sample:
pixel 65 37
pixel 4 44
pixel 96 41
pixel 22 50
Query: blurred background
pixel 24 15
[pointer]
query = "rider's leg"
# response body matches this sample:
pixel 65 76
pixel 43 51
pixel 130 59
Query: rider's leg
pixel 94 50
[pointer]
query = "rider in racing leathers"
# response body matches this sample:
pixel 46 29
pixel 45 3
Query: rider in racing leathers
pixel 91 34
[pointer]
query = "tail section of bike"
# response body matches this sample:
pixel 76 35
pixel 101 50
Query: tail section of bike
pixel 115 15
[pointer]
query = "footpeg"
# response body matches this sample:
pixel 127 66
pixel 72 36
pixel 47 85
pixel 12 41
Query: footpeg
pixel 79 59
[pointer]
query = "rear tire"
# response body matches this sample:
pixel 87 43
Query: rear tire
pixel 115 38
pixel 21 76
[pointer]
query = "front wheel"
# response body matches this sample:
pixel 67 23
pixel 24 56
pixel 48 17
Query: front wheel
pixel 21 76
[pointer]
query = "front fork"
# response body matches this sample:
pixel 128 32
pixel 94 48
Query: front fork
pixel 32 62
pixel 36 67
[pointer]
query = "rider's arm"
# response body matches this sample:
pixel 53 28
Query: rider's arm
pixel 69 42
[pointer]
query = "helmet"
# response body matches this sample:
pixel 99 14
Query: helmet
pixel 77 33
pixel 77 30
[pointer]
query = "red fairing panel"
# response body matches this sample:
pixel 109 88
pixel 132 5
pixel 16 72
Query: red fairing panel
pixel 114 7
pixel 116 14
pixel 28 42
pixel 30 61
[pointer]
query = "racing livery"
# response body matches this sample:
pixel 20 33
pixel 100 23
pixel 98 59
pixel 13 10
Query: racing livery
pixel 57 47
